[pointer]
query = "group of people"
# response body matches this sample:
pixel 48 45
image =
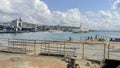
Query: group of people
pixel 72 63
pixel 76 66
pixel 91 38
pixel 88 38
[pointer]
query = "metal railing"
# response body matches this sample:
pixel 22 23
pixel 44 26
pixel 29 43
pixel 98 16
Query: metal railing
pixel 85 49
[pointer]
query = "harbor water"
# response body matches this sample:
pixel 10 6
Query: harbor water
pixel 60 36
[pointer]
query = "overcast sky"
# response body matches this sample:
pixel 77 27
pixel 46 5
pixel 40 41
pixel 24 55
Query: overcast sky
pixel 94 14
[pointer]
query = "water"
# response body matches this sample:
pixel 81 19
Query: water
pixel 58 35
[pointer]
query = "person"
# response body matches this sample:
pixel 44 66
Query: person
pixel 69 65
pixel 91 38
pixel 111 39
pixel 88 38
pixel 77 66
pixel 69 38
pixel 96 36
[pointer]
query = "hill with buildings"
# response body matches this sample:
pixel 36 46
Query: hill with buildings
pixel 18 25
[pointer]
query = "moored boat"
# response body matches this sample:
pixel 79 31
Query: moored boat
pixel 58 31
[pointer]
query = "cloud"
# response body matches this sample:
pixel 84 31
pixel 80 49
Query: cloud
pixel 6 7
pixel 37 11
pixel 70 17
pixel 105 14
pixel 116 4
pixel 108 20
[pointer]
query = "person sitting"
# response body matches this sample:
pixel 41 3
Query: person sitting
pixel 77 66
pixel 69 65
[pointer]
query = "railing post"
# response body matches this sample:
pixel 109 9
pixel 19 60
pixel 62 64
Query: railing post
pixel 21 45
pixel 24 44
pixel 108 51
pixel 13 46
pixel 83 51
pixel 34 47
pixel 57 48
pixel 8 44
pixel 49 48
pixel 64 48
pixel 60 49
pixel 25 49
pixel 104 51
pixel 41 48
pixel 45 47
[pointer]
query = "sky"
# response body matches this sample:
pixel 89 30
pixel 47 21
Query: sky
pixel 82 5
pixel 93 14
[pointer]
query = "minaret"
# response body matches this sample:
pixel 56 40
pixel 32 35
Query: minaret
pixel 19 24
pixel 80 26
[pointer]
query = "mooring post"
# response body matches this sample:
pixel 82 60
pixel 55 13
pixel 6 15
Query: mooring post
pixel 34 47
pixel 83 51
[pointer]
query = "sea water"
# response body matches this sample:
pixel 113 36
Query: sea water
pixel 60 36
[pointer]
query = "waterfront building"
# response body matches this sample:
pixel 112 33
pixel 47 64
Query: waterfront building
pixel 18 25
pixel 5 24
pixel 28 26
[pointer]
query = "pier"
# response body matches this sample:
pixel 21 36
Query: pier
pixel 83 49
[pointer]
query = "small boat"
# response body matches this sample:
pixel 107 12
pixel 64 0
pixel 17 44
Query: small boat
pixel 115 39
pixel 55 31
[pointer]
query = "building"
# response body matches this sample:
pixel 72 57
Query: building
pixel 18 25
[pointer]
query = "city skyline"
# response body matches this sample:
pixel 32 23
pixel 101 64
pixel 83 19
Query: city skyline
pixel 95 14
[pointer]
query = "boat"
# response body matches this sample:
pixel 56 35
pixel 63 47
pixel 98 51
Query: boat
pixel 80 30
pixel 115 39
pixel 55 31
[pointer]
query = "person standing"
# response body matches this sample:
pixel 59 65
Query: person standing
pixel 69 38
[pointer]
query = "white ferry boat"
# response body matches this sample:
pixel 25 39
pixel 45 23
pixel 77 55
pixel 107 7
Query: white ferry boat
pixel 55 31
